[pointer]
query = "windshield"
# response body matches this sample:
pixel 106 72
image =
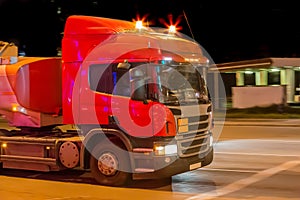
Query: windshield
pixel 170 83
pixel 180 83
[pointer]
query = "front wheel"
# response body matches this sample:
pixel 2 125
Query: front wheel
pixel 110 164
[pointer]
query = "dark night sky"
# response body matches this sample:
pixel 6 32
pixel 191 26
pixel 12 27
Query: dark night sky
pixel 229 31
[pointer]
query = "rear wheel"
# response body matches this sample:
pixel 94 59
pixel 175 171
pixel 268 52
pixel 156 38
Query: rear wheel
pixel 110 164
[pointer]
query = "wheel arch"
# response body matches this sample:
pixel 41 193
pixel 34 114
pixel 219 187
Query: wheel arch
pixel 94 136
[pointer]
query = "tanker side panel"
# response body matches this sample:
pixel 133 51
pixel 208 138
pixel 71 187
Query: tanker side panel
pixel 7 96
pixel 38 86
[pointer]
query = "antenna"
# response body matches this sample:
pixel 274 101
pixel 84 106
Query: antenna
pixel 187 21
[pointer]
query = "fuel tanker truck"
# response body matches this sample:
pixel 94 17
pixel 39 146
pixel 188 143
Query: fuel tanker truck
pixel 124 101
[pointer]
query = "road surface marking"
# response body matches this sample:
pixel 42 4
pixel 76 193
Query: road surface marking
pixel 228 170
pixel 274 140
pixel 258 140
pixel 240 184
pixel 258 154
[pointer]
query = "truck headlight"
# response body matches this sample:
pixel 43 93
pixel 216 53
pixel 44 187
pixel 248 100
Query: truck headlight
pixel 183 125
pixel 161 150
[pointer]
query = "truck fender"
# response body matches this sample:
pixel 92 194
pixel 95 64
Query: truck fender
pixel 94 136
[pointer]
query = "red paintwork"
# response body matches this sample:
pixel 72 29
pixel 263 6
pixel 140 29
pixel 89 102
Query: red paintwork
pixel 35 84
pixel 81 35
pixel 32 86
pixel 94 40
pixel 47 84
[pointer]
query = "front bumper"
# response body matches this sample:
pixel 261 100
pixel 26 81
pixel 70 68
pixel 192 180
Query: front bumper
pixel 166 166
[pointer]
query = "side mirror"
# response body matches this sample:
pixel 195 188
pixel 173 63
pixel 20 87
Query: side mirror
pixel 124 65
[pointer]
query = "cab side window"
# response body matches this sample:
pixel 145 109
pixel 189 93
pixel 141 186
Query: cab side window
pixel 100 78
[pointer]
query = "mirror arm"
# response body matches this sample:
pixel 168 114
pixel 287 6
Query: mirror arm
pixel 145 101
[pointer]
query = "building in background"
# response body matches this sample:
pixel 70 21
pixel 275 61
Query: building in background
pixel 257 78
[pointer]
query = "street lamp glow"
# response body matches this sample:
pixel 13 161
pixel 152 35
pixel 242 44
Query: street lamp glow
pixel 172 29
pixel 139 25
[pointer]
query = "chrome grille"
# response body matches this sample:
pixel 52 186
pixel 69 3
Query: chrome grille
pixel 196 140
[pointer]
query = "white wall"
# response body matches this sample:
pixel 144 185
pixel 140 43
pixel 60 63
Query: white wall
pixel 251 96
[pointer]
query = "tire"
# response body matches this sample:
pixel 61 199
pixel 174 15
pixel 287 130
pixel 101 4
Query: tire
pixel 118 172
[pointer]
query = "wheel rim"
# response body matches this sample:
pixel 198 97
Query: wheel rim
pixel 107 164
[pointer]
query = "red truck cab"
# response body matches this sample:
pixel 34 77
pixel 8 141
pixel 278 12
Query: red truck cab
pixel 137 97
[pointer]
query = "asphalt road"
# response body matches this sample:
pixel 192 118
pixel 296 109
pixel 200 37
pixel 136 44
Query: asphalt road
pixel 258 162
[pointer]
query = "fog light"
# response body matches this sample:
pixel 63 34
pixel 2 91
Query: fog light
pixel 159 150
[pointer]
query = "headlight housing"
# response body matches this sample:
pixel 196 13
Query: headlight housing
pixel 161 149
